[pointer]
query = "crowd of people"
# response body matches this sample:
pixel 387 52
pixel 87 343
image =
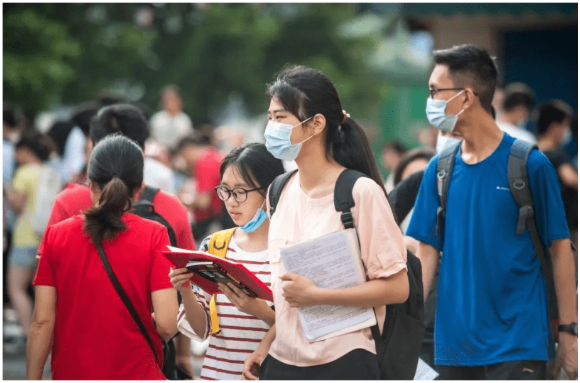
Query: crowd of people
pixel 109 305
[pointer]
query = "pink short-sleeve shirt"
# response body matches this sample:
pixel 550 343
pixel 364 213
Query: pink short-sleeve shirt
pixel 299 218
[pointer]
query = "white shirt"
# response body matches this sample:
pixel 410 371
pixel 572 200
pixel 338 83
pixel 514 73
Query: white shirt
pixel 169 130
pixel 158 175
pixel 517 132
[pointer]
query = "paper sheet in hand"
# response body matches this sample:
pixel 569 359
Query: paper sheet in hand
pixel 425 372
pixel 332 262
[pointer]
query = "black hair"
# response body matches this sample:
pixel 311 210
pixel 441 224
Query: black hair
pixel 396 145
pixel 39 144
pixel 407 158
pixel 470 65
pixel 255 164
pixel 9 116
pixel 193 140
pixel 305 92
pixel 116 165
pixel 59 132
pixel 518 94
pixel 123 118
pixel 549 112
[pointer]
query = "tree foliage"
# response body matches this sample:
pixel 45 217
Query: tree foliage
pixel 69 53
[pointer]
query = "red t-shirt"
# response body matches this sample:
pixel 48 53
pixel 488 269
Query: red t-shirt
pixel 207 174
pixel 95 337
pixel 75 199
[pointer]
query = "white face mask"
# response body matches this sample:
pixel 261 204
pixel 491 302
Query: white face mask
pixel 444 142
pixel 278 141
pixel 436 114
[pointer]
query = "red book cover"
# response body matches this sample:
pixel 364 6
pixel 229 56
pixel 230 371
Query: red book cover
pixel 237 272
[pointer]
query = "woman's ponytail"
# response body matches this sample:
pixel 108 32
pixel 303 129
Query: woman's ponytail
pixel 104 221
pixel 116 166
pixel 350 147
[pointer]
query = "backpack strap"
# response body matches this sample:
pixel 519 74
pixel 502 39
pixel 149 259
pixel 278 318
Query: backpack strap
pixel 343 200
pixel 276 189
pixel 148 194
pixel 444 170
pixel 218 245
pixel 520 189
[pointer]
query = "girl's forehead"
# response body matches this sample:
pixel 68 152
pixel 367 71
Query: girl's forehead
pixel 275 106
pixel 233 176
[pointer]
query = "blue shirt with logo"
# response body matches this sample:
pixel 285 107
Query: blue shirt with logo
pixel 491 304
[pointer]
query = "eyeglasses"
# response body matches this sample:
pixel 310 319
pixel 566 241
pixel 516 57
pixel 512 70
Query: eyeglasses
pixel 240 195
pixel 433 91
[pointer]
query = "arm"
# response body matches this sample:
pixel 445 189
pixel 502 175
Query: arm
pixel 253 306
pixel 16 198
pixel 194 313
pixel 165 309
pixel 563 265
pixel 300 291
pixel 429 257
pixel 202 201
pixel 253 362
pixel 41 330
pixel 568 175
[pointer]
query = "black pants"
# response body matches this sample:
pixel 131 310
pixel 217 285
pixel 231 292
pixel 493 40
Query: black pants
pixel 356 365
pixel 517 370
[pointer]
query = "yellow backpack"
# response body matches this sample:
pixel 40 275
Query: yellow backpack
pixel 218 246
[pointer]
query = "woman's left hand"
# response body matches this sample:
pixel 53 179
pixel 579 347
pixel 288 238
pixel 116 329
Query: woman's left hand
pixel 299 291
pixel 242 301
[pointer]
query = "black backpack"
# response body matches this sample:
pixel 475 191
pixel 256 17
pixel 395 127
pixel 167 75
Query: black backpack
pixel 399 346
pixel 144 208
pixel 520 189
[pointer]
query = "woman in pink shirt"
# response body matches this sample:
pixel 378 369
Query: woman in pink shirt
pixel 307 124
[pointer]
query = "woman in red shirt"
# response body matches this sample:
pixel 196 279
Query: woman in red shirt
pixel 94 335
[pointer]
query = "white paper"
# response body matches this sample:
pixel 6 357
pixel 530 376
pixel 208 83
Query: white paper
pixel 425 372
pixel 332 262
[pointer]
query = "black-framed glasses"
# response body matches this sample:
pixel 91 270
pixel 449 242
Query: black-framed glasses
pixel 240 195
pixel 433 91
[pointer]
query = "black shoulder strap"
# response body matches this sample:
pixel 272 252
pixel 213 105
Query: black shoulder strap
pixel 444 171
pixel 520 189
pixel 343 200
pixel 276 189
pixel 126 300
pixel 148 194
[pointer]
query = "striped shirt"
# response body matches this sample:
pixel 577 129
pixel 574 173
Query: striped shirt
pixel 240 333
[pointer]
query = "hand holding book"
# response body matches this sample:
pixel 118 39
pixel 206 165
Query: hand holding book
pixel 208 271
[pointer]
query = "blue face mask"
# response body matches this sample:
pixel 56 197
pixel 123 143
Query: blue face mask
pixel 278 140
pixel 436 114
pixel 255 222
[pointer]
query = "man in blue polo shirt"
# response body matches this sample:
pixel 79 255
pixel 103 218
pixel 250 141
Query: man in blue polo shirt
pixel 492 315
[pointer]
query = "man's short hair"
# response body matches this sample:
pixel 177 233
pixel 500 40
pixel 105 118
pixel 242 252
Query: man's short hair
pixel 549 112
pixel 395 145
pixel 193 140
pixel 518 94
pixel 124 118
pixel 470 65
pixel 9 115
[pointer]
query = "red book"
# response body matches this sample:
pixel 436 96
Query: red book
pixel 209 270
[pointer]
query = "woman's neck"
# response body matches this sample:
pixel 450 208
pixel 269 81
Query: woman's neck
pixel 255 241
pixel 316 172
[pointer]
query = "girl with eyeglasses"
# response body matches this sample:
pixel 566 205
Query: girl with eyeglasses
pixel 246 172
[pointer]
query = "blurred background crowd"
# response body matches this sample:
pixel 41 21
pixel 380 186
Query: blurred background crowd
pixel 198 72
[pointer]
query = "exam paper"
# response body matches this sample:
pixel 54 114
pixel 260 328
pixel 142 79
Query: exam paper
pixel 425 372
pixel 332 262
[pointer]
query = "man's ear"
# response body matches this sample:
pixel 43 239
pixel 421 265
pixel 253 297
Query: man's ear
pixel 469 98
pixel 318 124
